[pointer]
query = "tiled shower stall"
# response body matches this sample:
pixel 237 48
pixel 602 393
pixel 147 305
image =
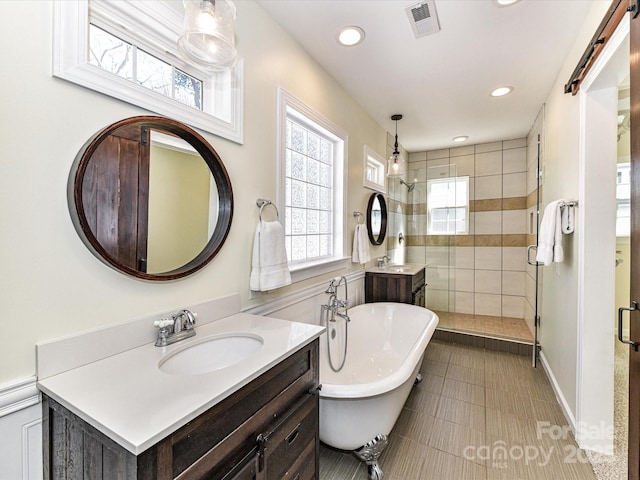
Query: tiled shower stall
pixel 483 271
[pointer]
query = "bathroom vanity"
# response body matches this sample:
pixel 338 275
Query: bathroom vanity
pixel 257 419
pixel 395 283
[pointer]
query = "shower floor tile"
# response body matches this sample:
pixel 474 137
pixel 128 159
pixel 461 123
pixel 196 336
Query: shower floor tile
pixel 471 417
pixel 500 327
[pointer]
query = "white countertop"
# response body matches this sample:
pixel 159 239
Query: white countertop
pixel 403 269
pixel 129 399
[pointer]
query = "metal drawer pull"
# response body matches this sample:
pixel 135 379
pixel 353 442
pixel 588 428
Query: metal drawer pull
pixel 293 435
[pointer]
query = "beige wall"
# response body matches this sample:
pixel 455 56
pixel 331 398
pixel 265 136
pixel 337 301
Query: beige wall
pixel 51 285
pixel 178 208
pixel 559 325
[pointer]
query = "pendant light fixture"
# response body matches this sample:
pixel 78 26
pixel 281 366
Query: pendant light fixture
pixel 396 164
pixel 208 39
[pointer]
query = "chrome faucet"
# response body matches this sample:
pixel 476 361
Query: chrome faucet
pixel 336 306
pixel 382 261
pixel 178 327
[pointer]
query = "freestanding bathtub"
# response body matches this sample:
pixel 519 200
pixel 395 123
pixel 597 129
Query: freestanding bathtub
pixel 386 342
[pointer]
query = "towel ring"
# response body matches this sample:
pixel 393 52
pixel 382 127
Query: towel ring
pixel 359 217
pixel 261 203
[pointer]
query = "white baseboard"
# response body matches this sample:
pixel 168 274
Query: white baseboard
pixel 568 414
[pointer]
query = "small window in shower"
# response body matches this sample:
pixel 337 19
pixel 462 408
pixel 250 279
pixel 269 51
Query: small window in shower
pixel 448 206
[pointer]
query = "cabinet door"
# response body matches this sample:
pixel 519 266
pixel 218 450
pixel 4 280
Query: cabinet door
pixel 247 469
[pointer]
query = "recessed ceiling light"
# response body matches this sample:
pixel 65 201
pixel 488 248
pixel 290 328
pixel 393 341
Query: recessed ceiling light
pixel 461 138
pixel 501 91
pixel 350 36
pixel 506 3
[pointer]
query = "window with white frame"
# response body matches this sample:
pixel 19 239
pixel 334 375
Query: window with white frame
pixel 623 200
pixel 448 206
pixel 127 50
pixel 312 179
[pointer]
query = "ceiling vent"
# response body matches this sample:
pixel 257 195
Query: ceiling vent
pixel 423 18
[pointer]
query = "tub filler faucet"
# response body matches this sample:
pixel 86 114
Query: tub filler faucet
pixel 178 327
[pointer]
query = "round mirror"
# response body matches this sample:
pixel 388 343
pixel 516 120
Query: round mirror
pixel 377 218
pixel 151 198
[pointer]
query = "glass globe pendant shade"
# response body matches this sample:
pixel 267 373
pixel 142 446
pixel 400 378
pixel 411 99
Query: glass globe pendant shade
pixel 395 165
pixel 208 39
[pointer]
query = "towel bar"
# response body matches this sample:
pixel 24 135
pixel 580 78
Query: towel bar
pixel 262 202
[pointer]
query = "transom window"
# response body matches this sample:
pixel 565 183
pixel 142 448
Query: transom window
pixel 128 61
pixel 448 206
pixel 312 180
pixel 127 50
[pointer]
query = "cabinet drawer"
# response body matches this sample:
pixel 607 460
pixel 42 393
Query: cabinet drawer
pixel 290 438
pixel 305 466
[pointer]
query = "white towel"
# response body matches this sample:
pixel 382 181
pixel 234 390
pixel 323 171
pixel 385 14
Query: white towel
pixel 361 253
pixel 568 219
pixel 550 235
pixel 269 269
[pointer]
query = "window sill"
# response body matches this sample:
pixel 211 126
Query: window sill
pixel 307 270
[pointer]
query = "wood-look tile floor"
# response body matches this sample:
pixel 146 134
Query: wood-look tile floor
pixel 478 415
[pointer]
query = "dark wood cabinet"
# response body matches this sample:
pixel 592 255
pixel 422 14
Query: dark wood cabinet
pixel 267 430
pixel 395 287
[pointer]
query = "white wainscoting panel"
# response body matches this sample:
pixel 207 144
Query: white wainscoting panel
pixel 20 431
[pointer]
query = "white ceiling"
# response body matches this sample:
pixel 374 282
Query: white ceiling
pixel 440 83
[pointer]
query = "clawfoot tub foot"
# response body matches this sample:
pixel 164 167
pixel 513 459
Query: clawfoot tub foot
pixel 369 454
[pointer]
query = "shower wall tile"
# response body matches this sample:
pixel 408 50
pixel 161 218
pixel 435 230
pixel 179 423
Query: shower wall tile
pixel 489 163
pixel 488 147
pixel 437 154
pixel 514 185
pixel 458 151
pixel 488 223
pixel 514 203
pixel 516 143
pixel 488 258
pixel 488 187
pixel 512 306
pixel 464 165
pixel 418 157
pixel 437 256
pixel 514 221
pixel 464 302
pixel 464 257
pixel 415 255
pixel 437 278
pixel 435 171
pixel 513 283
pixel 532 181
pixel 487 304
pixel 464 280
pixel 488 281
pixel 514 161
pixel 437 299
pixel 513 258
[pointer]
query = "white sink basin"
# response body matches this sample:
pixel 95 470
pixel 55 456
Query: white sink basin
pixel 210 354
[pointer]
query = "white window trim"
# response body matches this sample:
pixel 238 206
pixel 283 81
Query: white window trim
pixel 372 157
pixel 466 205
pixel 303 270
pixel 154 21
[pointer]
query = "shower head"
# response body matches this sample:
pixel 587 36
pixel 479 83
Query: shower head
pixel 410 186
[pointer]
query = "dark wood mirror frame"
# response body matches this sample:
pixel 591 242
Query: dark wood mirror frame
pixel 213 161
pixel 383 218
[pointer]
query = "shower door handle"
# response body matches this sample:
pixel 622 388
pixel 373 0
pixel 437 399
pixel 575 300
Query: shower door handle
pixel 621 310
pixel 529 248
